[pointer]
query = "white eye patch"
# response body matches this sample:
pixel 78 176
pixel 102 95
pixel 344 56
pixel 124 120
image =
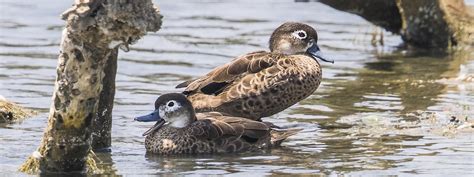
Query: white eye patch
pixel 170 106
pixel 300 34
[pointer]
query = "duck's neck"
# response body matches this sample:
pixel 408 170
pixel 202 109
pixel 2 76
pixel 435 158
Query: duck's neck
pixel 184 119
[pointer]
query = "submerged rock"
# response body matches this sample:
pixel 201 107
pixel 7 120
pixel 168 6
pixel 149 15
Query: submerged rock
pixel 450 123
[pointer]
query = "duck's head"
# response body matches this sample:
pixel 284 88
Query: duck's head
pixel 174 109
pixel 296 38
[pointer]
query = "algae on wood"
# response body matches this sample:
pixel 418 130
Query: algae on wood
pixel 94 30
pixel 11 112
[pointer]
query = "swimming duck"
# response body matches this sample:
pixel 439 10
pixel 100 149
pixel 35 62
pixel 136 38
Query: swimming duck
pixel 260 84
pixel 179 130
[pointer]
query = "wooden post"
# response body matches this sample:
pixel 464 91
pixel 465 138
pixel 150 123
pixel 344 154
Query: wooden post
pixel 94 30
pixel 102 124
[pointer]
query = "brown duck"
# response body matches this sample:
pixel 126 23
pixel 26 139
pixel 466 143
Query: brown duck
pixel 179 130
pixel 260 84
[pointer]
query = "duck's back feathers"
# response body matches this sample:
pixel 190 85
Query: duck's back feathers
pixel 225 126
pixel 256 85
pixel 219 78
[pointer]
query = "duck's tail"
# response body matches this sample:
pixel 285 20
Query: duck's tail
pixel 279 135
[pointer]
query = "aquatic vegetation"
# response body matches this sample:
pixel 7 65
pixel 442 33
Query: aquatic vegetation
pixel 11 112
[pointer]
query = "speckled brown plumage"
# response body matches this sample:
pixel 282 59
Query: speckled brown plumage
pixel 253 91
pixel 215 133
pixel 179 130
pixel 260 84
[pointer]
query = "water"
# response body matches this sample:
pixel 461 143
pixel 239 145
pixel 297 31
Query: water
pixel 380 109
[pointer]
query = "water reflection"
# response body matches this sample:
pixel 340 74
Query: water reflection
pixel 395 82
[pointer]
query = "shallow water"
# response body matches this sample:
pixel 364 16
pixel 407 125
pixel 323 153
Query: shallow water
pixel 381 109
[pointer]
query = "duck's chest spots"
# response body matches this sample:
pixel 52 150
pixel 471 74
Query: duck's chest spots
pixel 168 144
pixel 295 80
pixel 176 141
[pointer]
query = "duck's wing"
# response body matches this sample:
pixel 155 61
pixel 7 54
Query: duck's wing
pixel 214 125
pixel 219 78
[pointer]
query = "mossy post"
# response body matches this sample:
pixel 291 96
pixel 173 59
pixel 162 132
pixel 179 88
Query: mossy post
pixel 94 29
pixel 440 24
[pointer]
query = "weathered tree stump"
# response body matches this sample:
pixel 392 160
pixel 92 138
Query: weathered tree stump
pixel 440 24
pixel 94 30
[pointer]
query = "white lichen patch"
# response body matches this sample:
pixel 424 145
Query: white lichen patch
pixel 114 43
pixel 36 155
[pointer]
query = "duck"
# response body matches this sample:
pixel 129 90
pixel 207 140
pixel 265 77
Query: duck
pixel 261 84
pixel 180 130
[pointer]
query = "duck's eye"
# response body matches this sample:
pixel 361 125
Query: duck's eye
pixel 170 104
pixel 300 34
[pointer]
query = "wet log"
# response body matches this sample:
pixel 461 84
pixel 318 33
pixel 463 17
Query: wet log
pixel 382 13
pixel 436 23
pixel 94 30
pixel 102 124
pixel 440 24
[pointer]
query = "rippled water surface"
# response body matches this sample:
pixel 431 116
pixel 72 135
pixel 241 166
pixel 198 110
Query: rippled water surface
pixel 381 109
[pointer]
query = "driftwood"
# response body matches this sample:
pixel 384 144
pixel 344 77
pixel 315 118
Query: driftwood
pixel 421 23
pixel 94 30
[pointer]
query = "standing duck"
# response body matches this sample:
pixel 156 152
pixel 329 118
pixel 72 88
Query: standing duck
pixel 179 130
pixel 260 84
